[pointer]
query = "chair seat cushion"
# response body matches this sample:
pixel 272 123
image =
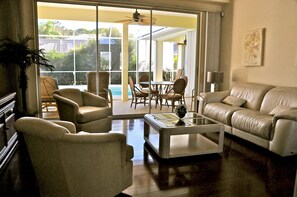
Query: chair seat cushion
pixel 48 99
pixel 141 94
pixel 91 113
pixel 170 96
pixel 253 122
pixel 147 90
pixel 220 112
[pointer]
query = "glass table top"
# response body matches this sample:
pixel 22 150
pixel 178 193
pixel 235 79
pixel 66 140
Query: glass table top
pixel 190 119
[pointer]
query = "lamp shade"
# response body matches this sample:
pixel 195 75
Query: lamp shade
pixel 215 77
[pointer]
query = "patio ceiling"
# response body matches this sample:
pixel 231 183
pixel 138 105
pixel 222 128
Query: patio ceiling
pixel 112 14
pixel 167 34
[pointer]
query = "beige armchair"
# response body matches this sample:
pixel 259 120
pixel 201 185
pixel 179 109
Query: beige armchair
pixel 87 111
pixel 76 164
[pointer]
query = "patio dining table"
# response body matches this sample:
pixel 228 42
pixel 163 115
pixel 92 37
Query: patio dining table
pixel 158 84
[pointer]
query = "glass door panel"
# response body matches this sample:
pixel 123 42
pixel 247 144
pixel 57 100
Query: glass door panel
pixel 125 48
pixel 69 44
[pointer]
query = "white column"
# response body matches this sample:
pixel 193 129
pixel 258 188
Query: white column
pixel 159 62
pixel 181 57
pixel 125 63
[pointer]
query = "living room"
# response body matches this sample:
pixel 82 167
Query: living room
pixel 278 68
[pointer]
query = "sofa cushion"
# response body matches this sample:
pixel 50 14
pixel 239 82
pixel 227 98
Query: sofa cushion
pixel 91 113
pixel 253 93
pixel 279 96
pixel 220 112
pixel 234 101
pixel 253 122
pixel 280 108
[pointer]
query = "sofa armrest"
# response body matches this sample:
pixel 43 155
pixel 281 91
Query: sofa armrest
pixel 285 135
pixel 288 114
pixel 67 108
pixel 209 97
pixel 91 99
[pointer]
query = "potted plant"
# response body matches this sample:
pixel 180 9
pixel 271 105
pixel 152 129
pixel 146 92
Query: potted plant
pixel 18 53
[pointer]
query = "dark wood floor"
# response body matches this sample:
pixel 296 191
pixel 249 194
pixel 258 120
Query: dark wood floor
pixel 243 169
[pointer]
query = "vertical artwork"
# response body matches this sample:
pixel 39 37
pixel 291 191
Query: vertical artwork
pixel 253 47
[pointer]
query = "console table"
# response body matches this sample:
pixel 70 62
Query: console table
pixel 8 135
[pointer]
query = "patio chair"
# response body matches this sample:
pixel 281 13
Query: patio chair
pixel 179 74
pixel 192 99
pixel 137 94
pixel 186 80
pixel 175 95
pixel 48 86
pixel 103 81
pixel 146 88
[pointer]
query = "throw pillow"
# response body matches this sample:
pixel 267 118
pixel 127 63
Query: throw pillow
pixel 280 108
pixel 234 101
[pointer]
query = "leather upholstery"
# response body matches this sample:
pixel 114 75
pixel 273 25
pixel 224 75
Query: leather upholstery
pixel 279 96
pixel 253 93
pixel 253 121
pixel 220 112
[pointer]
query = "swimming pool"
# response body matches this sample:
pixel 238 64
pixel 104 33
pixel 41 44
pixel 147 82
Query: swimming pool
pixel 117 90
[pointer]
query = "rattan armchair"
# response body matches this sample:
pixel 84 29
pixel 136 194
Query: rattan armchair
pixel 175 94
pixel 101 83
pixel 147 88
pixel 48 86
pixel 138 96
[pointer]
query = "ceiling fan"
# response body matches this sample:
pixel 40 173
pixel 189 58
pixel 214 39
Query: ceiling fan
pixel 138 18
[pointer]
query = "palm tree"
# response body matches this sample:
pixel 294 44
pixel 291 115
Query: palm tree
pixel 19 54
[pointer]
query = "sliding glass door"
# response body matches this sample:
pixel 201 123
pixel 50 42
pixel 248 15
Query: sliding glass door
pixel 124 42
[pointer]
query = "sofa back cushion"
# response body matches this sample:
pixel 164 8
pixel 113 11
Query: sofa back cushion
pixel 253 93
pixel 279 96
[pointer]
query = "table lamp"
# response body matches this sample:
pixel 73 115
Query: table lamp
pixel 215 78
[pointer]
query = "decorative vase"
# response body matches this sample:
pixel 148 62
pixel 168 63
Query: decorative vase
pixel 180 111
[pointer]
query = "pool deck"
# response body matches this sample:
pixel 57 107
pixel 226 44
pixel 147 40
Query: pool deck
pixel 122 109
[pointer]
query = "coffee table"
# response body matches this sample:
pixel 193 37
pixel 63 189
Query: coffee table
pixel 169 140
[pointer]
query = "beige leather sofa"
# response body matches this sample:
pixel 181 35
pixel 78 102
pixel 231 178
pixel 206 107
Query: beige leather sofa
pixel 87 111
pixel 262 114
pixel 67 163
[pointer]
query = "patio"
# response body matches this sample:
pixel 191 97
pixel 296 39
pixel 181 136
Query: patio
pixel 122 109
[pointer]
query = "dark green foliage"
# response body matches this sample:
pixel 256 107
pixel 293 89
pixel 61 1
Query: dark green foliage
pixel 18 53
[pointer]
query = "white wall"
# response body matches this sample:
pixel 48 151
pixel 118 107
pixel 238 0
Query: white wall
pixel 279 18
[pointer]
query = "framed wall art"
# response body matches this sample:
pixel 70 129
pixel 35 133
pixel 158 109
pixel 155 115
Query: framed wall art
pixel 253 43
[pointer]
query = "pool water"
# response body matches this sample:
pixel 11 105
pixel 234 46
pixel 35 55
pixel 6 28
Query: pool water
pixel 117 90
